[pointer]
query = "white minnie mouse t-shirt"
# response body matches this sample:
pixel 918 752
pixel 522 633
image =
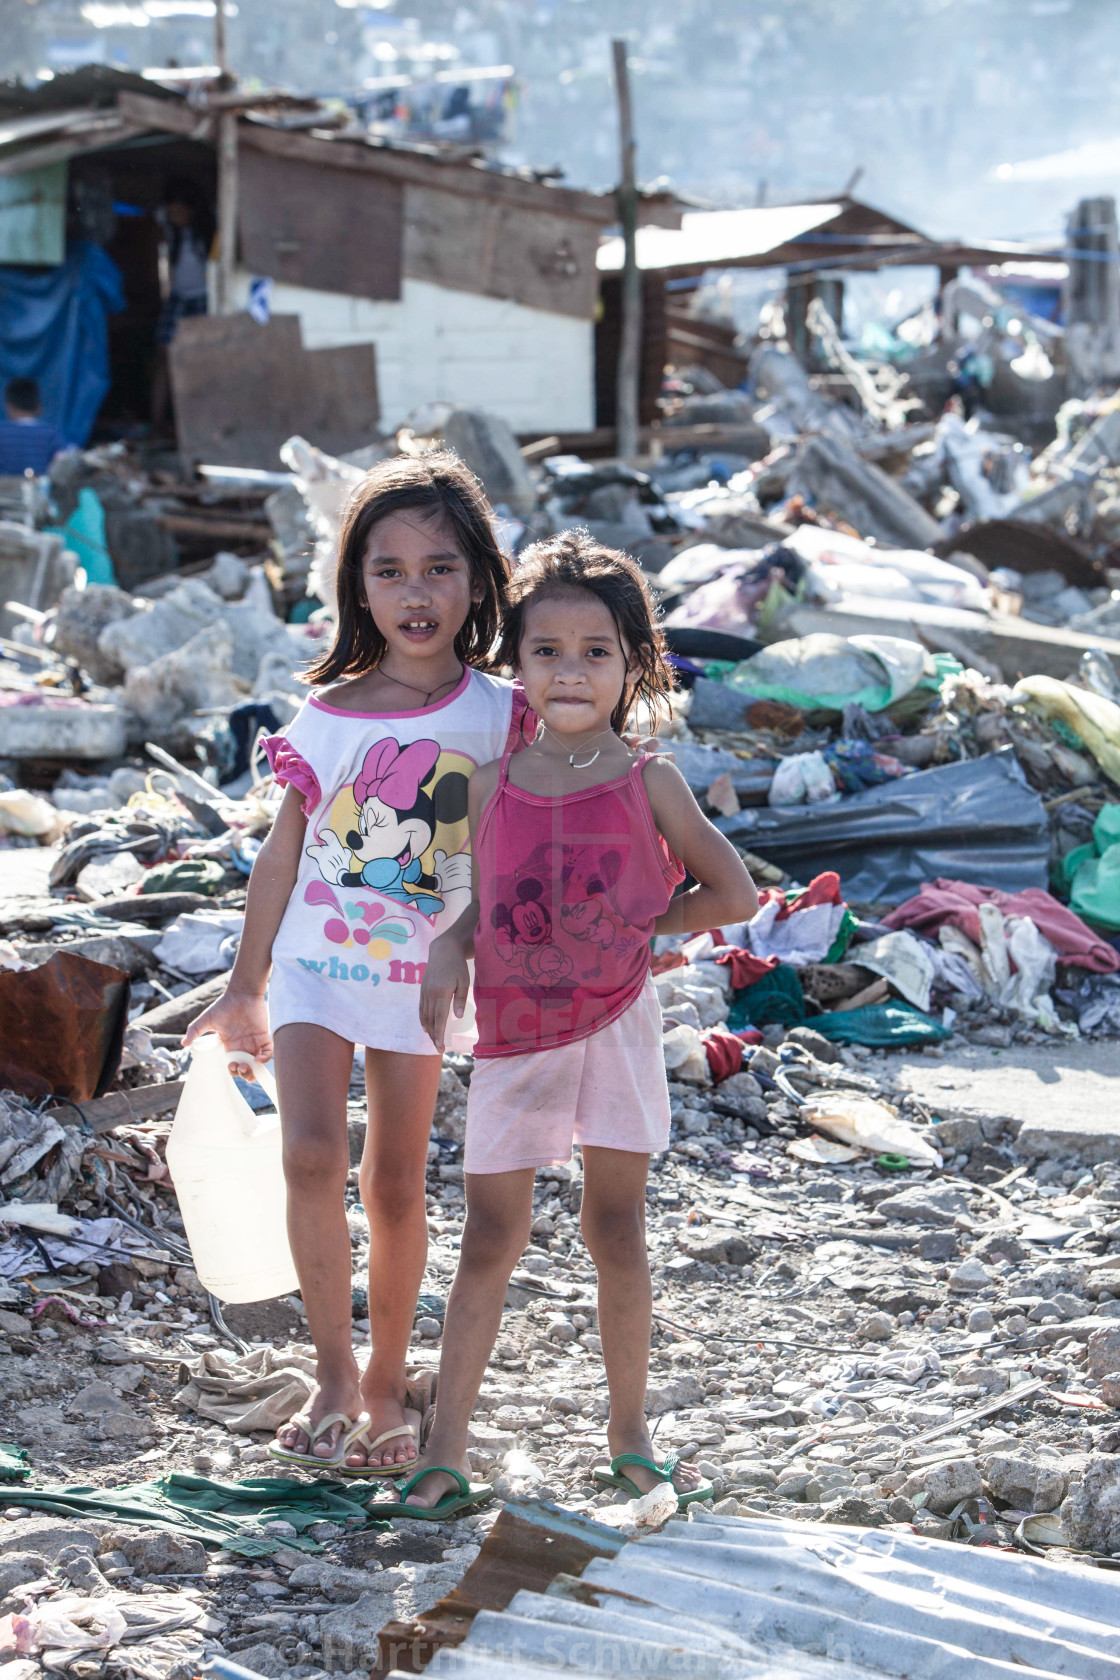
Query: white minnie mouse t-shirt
pixel 386 859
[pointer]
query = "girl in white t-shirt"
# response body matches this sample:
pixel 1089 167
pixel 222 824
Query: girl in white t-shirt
pixel 367 861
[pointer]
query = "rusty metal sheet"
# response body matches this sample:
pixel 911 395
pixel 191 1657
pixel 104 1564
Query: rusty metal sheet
pixel 62 1027
pixel 531 1543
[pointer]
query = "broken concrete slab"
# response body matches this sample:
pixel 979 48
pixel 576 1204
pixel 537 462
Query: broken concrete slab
pixel 63 729
pixel 1089 1138
pixel 1015 646
pixel 834 480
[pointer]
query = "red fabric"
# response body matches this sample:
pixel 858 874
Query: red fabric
pixel 745 967
pixel 822 889
pixel 668 960
pixel 724 1052
pixel 958 902
pixel 291 769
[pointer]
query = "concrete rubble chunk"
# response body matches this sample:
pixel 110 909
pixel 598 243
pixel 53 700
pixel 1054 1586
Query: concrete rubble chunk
pixel 159 1553
pixel 1025 1482
pixel 1090 1511
pixel 948 1484
pixel 1090 1138
pixel 82 616
pixel 197 676
pixel 925 1204
pixel 1103 1350
pixel 349 1634
pixel 488 446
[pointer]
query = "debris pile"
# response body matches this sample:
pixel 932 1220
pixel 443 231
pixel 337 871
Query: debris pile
pixel 880 1301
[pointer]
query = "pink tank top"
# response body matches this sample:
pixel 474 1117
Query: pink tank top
pixel 569 891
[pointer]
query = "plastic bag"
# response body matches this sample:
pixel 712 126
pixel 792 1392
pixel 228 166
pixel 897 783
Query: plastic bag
pixel 975 821
pixel 685 1056
pixel 869 1125
pixel 1094 719
pixel 903 960
pixel 803 779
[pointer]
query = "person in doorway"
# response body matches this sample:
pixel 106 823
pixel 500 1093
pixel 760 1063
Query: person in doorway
pixel 189 231
pixel 28 443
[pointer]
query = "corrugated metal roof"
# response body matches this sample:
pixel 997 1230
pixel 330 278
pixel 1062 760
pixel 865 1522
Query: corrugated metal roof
pixel 719 1598
pixel 716 237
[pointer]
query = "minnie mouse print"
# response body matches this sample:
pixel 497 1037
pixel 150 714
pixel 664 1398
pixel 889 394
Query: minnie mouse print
pixel 380 832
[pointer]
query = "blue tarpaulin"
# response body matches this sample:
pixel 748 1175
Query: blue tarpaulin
pixel 54 328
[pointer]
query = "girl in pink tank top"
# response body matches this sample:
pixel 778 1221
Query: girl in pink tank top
pixel 578 845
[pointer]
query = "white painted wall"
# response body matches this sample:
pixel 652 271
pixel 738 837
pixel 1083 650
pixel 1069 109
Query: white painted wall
pixel 533 368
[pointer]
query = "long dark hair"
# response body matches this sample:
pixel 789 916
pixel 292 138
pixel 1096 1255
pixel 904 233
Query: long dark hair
pixel 437 486
pixel 573 560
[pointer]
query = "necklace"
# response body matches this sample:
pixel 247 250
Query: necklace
pixel 415 689
pixel 586 765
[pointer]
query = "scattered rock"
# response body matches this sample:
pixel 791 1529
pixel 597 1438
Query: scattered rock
pixel 156 1552
pixel 1026 1483
pixel 1090 1511
pixel 925 1204
pixel 948 1484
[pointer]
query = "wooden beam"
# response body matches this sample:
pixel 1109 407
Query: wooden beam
pixel 169 116
pixel 66 146
pixel 126 1108
pixel 630 338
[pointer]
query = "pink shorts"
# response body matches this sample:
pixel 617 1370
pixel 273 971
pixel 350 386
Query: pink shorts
pixel 608 1089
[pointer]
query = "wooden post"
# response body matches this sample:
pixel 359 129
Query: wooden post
pixel 630 341
pixel 227 172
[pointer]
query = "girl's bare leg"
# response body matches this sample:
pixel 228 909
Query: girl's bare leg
pixel 313 1076
pixel 401 1098
pixel 613 1221
pixel 499 1212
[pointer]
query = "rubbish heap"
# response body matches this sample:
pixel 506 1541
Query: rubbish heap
pixel 875 1304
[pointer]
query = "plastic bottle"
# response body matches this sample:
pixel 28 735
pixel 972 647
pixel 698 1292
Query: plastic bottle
pixel 228 1172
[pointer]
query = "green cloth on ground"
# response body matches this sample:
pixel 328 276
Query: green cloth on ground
pixel 848 925
pixel 200 875
pixel 776 997
pixel 228 1514
pixel 15 1463
pixel 880 1024
pixel 1091 874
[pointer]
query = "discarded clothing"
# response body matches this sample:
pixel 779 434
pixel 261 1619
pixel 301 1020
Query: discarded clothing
pixel 776 998
pixel 879 1024
pixel 958 902
pixel 193 874
pixel 745 968
pixel 227 1514
pixel 905 961
pixel 724 1051
pixel 856 765
pixel 798 927
pixel 260 1390
pixel 201 942
pixel 1097 1002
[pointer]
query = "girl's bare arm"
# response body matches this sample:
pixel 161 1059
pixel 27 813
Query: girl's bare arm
pixel 239 1017
pixel 724 891
pixel 446 981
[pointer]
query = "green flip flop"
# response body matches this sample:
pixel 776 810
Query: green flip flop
pixel 470 1493
pixel 617 1478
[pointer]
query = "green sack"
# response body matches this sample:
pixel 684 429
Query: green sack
pixel 880 1025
